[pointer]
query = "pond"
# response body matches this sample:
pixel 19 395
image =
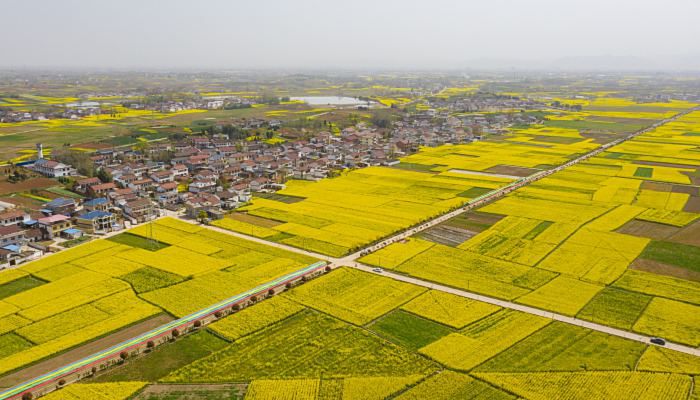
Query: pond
pixel 84 104
pixel 331 100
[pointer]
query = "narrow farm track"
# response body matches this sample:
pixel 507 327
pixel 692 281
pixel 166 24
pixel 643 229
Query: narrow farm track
pixel 73 372
pixel 83 351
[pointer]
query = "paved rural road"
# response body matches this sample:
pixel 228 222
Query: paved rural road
pixel 351 260
pixel 526 309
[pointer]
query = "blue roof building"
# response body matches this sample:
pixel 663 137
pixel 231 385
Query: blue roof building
pixel 98 222
pixel 100 203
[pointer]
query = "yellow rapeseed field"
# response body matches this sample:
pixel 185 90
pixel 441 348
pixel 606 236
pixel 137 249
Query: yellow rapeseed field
pixel 449 309
pixel 355 296
pixel 300 389
pixel 97 391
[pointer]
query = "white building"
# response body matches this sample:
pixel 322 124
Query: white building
pixel 52 169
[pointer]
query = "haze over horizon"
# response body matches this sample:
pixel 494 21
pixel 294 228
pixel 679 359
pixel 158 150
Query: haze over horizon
pixel 315 34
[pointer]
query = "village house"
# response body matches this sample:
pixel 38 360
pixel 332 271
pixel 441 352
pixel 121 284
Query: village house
pixel 194 163
pixel 52 169
pixel 60 205
pixel 137 169
pixel 53 226
pixel 11 234
pixel 259 184
pixel 97 222
pixel 82 185
pixel 101 189
pixel 126 179
pixel 15 254
pixel 180 171
pixel 98 204
pixel 13 217
pixel 141 185
pixel 121 196
pixel 140 210
pixel 202 202
pixel 229 200
pixel 242 190
pixel 166 193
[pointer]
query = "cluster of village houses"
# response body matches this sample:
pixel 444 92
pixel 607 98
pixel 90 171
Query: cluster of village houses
pixel 209 175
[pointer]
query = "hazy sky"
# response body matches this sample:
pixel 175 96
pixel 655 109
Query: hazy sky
pixel 350 33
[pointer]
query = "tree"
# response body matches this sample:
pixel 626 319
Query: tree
pixel 163 156
pixel 104 175
pixel 142 147
pixel 202 216
pixel 123 355
pixel 328 269
pixel 381 119
pixel 235 307
pixel 27 396
pixel 218 314
pixel 197 323
pixel 223 182
pixel 61 382
pixel 175 333
pixel 78 159
pixel 271 292
pixel 150 344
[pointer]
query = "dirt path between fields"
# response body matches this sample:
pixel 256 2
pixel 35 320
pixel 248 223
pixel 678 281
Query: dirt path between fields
pixel 83 351
pixel 161 388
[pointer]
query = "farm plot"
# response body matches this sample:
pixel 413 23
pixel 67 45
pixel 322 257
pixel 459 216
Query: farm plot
pixel 474 272
pixel 408 330
pixel 376 388
pixel 659 359
pixel 450 385
pixel 447 234
pixel 333 221
pixel 97 391
pixel 614 249
pixel 576 229
pixel 681 255
pixel 671 319
pixel 355 296
pixel 512 239
pixel 80 294
pixel 307 345
pixel 615 307
pixel 397 253
pixel 659 285
pixel 299 389
pixel 563 347
pixel 591 385
pixel 669 217
pixel 563 295
pixel 449 309
pixel 255 318
pixel 483 339
pixel 59 332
